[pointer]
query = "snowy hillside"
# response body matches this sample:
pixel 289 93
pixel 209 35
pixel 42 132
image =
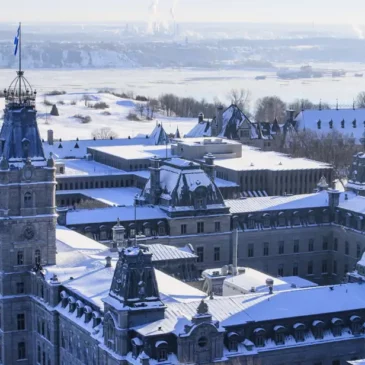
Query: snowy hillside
pixel 67 126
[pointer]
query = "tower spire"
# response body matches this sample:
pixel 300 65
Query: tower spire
pixel 20 73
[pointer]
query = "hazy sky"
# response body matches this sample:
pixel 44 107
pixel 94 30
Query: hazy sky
pixel 308 11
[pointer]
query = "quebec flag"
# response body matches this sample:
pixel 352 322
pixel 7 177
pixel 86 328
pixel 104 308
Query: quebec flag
pixel 16 41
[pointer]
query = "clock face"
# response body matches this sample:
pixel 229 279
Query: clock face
pixel 29 232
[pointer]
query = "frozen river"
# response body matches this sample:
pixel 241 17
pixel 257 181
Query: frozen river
pixel 197 83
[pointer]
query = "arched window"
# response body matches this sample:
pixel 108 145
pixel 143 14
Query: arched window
pixel 161 347
pixel 37 257
pixel 259 337
pixel 355 325
pixel 28 200
pixel 232 341
pixel 337 325
pixel 280 335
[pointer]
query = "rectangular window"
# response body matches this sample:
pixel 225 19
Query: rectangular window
pixel 20 258
pixel 19 288
pixel 296 246
pixel 200 254
pixel 21 351
pixel 358 251
pixel 217 254
pixel 281 270
pixel 281 247
pixel 200 227
pixel 310 268
pixel 295 269
pixel 325 244
pixel 217 226
pixel 183 229
pixel 266 249
pixel 21 321
pixel 250 251
pixel 335 244
pixel 324 267
pixel 311 245
pixel 336 362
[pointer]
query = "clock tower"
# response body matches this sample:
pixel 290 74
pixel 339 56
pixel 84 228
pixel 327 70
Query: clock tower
pixel 27 219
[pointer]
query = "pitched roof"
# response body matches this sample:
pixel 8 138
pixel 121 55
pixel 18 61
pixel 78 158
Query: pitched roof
pixel 353 121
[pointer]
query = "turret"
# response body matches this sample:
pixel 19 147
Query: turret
pixel 155 177
pixel 118 236
pixel 209 166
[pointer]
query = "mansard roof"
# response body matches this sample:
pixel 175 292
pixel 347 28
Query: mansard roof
pixel 243 309
pixel 202 129
pixel 181 180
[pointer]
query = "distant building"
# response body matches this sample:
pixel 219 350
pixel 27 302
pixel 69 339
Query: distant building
pixel 350 122
pixel 233 124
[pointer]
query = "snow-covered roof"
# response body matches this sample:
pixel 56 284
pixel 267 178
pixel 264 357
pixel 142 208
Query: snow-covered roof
pixel 83 167
pixel 202 129
pixel 357 362
pixel 308 119
pixel 275 203
pixel 109 196
pixel 354 204
pixel 238 310
pixel 81 268
pixel 179 179
pixel 136 152
pixel 162 252
pixel 254 279
pixel 254 159
pixel 85 216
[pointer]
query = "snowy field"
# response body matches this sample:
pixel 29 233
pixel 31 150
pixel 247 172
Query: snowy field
pixel 66 126
pixel 198 83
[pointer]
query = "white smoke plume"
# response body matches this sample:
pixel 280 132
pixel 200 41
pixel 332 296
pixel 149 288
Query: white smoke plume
pixel 173 9
pixel 359 32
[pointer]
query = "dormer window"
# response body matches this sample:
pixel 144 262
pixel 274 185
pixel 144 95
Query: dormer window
pixel 296 219
pixel 233 340
pixel 281 219
pixel 72 304
pixel 161 349
pixel 136 346
pixel 279 335
pixel 64 299
pixel 299 330
pixel 96 319
pixel 251 222
pixel 260 334
pixel 80 308
pixel 318 327
pixel 325 216
pixel 266 220
pixel 311 217
pixel 337 324
pixel 88 313
pixel 355 325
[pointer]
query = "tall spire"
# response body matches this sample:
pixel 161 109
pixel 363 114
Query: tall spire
pixel 19 135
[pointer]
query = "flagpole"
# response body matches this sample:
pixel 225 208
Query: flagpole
pixel 20 61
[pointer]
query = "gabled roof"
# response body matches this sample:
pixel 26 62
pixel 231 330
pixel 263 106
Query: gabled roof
pixel 233 117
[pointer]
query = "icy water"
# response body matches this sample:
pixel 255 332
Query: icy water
pixel 198 83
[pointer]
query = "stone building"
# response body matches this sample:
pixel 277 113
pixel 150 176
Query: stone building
pixel 233 124
pixel 67 301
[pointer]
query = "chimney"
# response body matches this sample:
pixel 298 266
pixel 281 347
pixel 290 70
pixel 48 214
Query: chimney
pixel 118 236
pixel 209 165
pixel 235 245
pixel 108 261
pixel 219 119
pixel 155 175
pixel 50 137
pixel 201 117
pixel 333 198
pixel 290 116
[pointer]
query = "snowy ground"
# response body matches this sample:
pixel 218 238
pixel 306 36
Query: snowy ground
pixel 67 127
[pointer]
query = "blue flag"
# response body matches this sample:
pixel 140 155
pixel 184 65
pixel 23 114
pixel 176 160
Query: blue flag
pixel 16 41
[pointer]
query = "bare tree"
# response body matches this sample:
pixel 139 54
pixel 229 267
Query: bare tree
pixel 360 100
pixel 334 148
pixel 270 108
pixel 153 105
pixel 104 133
pixel 240 97
pixel 140 107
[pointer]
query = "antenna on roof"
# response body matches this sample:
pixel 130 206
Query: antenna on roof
pixel 353 104
pixel 336 104
pixel 320 104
